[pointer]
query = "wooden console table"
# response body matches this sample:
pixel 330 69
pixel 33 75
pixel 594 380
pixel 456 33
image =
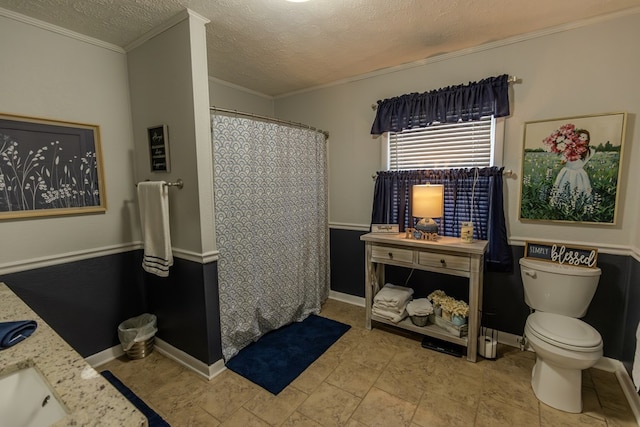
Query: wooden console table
pixel 447 255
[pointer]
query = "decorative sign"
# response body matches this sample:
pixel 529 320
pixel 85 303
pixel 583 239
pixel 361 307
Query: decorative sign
pixel 159 148
pixel 560 253
pixel 385 228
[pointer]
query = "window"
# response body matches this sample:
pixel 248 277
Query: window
pixel 459 145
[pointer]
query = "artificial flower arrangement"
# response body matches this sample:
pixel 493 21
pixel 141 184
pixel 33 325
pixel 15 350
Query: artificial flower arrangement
pixel 449 304
pixel 568 141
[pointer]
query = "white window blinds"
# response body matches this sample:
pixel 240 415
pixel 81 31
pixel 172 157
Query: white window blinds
pixel 443 146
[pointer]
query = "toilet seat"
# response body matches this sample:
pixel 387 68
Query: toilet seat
pixel 564 332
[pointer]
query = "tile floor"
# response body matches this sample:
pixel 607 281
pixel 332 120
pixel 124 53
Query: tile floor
pixel 380 377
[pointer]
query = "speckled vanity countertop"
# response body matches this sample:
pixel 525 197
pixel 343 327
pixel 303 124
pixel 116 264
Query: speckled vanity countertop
pixel 89 398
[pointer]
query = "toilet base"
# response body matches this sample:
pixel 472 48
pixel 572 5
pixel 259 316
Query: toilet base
pixel 560 388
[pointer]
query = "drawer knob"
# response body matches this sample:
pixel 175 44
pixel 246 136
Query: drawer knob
pixel 391 255
pixel 442 261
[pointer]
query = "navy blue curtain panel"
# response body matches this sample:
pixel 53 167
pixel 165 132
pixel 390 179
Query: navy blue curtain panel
pixel 469 195
pixel 452 104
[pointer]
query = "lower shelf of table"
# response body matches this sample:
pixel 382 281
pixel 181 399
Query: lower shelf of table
pixel 430 330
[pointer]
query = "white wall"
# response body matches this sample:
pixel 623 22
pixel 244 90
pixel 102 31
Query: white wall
pixel 231 97
pixel 168 79
pixel 47 74
pixel 586 70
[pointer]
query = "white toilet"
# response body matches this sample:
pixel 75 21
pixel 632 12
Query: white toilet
pixel 564 345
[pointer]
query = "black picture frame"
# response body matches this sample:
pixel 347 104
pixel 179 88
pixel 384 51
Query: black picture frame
pixel 159 148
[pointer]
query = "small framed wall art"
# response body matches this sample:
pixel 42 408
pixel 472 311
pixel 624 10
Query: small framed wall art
pixel 49 168
pixel 159 148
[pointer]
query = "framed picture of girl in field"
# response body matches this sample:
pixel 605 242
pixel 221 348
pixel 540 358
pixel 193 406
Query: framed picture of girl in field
pixel 571 169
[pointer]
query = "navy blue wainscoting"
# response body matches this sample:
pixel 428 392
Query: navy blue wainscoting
pixel 633 315
pixel 347 261
pixel 187 306
pixel 85 301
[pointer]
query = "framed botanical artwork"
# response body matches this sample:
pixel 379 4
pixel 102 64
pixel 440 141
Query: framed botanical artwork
pixel 571 169
pixel 49 167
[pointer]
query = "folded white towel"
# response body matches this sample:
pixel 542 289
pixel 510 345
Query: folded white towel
pixel 392 309
pixel 394 316
pixel 419 307
pixel 153 200
pixel 635 372
pixel 393 296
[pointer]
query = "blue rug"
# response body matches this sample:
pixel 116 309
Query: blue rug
pixel 154 419
pixel 279 356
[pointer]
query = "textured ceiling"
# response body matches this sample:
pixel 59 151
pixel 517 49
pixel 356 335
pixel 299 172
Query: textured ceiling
pixel 276 47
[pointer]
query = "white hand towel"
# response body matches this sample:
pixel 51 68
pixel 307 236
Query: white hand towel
pixel 635 372
pixel 153 199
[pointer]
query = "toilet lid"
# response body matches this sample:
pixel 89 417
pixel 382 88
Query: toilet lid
pixel 562 331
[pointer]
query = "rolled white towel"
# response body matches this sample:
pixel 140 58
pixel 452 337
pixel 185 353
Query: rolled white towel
pixel 419 307
pixel 393 296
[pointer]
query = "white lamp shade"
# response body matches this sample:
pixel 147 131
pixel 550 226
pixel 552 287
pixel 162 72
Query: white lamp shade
pixel 427 201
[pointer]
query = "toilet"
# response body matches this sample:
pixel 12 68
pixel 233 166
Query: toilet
pixel 564 344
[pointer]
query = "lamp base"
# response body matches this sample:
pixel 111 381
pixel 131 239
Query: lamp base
pixel 427 225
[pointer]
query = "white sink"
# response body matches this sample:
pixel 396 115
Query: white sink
pixel 27 400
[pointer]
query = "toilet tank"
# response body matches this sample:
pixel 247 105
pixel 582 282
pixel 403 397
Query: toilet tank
pixel 555 288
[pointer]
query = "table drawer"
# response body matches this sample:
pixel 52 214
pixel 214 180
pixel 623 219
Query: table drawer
pixel 452 262
pixel 385 253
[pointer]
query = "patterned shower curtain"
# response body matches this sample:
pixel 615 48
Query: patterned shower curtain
pixel 271 226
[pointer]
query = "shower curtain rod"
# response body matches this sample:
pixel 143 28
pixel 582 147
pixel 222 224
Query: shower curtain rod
pixel 268 119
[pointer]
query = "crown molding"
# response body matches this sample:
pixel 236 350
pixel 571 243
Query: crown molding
pixel 59 30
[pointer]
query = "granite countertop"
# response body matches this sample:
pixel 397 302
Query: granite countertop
pixel 90 399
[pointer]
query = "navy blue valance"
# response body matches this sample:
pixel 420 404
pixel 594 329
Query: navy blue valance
pixel 447 105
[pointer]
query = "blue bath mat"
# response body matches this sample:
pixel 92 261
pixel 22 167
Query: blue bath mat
pixel 279 356
pixel 154 419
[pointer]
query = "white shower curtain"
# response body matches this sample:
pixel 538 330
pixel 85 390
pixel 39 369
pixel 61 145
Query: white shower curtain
pixel 271 226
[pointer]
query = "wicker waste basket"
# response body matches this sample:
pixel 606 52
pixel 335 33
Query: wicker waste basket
pixel 137 335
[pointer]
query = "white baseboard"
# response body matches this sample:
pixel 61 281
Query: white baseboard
pixel 349 299
pixel 98 359
pixel 166 349
pixel 188 361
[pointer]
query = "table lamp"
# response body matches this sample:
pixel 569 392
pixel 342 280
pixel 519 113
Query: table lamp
pixel 427 203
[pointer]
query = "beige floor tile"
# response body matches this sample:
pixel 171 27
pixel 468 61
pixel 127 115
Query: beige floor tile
pixel 455 386
pixel 226 393
pixel 609 391
pixel 275 409
pixel 299 420
pixel 329 406
pixel 591 404
pixel 190 415
pixel 512 391
pixel 620 418
pixel 309 380
pixel 381 409
pixel 401 383
pixel 244 418
pixel 492 413
pixel 439 411
pixel 550 417
pixel 353 378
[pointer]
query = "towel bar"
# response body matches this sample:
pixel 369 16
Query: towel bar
pixel 179 183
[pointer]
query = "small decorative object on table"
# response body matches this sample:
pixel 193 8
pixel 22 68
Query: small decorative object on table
pixel 419 311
